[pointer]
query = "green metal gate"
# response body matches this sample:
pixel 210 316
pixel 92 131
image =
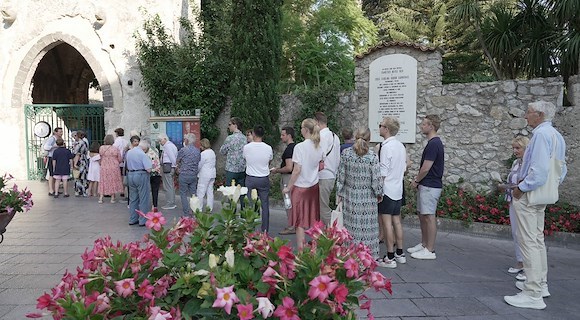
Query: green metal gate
pixel 70 117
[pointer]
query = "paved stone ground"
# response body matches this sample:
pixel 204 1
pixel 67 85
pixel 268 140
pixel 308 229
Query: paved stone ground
pixel 467 281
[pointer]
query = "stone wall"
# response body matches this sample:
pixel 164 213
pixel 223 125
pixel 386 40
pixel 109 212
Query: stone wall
pixel 479 119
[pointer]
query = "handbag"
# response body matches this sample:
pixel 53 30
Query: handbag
pixel 167 167
pixel 548 192
pixel 76 173
pixel 336 216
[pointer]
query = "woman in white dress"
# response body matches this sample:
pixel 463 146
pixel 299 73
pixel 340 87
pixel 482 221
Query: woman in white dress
pixel 94 169
pixel 206 174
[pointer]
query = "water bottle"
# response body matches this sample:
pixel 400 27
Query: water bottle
pixel 287 201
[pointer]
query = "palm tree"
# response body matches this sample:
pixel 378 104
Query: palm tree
pixel 565 13
pixel 471 12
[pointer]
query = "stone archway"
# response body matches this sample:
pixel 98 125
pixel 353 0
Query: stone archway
pixel 35 54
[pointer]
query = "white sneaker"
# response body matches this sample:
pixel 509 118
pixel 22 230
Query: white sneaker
pixel 521 277
pixel 386 263
pixel 424 255
pixel 416 248
pixel 169 207
pixel 545 292
pixel 515 270
pixel 400 258
pixel 522 300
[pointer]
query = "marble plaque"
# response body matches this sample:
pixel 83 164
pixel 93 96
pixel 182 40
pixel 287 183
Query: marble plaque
pixel 393 93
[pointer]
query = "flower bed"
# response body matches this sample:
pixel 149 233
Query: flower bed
pixel 217 267
pixel 460 204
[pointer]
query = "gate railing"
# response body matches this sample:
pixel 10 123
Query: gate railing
pixel 70 117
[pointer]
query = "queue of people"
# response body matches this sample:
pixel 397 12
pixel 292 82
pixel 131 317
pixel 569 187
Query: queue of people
pixel 369 184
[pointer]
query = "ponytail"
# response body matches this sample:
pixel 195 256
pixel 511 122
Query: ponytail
pixel 361 145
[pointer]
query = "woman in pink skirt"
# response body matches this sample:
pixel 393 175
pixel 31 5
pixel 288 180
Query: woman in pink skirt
pixel 110 179
pixel 303 184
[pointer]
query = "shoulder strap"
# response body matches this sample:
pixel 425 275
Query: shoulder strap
pixel 332 145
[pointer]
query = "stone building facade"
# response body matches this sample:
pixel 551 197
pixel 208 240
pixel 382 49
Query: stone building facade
pixel 52 50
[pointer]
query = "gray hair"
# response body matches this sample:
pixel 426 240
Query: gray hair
pixel 144 144
pixel 189 138
pixel 545 107
pixel 162 136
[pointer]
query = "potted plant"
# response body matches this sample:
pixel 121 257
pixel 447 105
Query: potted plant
pixel 217 266
pixel 12 200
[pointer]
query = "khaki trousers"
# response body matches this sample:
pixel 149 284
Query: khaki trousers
pixel 531 241
pixel 326 186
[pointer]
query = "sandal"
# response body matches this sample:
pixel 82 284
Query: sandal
pixel 100 200
pixel 113 201
pixel 289 230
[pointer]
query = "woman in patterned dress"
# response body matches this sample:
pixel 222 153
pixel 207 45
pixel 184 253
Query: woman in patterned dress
pixel 110 179
pixel 358 188
pixel 81 163
pixel 155 179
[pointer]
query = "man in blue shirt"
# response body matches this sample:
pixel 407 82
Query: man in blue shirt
pixel 187 163
pixel 429 182
pixel 138 169
pixel 545 144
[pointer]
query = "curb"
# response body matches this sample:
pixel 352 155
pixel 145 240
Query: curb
pixel 488 230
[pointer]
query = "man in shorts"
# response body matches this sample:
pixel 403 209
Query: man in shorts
pixel 393 162
pixel 429 182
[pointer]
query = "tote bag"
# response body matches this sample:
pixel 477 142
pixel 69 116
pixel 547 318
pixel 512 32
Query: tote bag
pixel 548 192
pixel 336 215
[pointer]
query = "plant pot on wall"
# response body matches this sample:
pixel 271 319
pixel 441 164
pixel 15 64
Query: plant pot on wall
pixel 5 219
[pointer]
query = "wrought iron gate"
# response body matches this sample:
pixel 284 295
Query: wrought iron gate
pixel 70 117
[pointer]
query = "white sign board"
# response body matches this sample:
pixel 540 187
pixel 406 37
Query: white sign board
pixel 393 93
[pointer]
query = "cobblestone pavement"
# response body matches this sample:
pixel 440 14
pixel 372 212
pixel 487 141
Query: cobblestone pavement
pixel 467 281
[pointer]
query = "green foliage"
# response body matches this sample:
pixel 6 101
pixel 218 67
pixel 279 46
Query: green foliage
pixel 316 99
pixel 189 75
pixel 319 41
pixel 256 59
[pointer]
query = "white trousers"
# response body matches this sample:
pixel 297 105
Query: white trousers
pixel 205 189
pixel 531 240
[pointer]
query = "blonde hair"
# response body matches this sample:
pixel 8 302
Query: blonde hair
pixel 361 143
pixel 522 141
pixel 392 124
pixel 313 129
pixel 205 144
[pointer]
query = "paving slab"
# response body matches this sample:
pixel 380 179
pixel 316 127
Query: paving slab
pixel 467 280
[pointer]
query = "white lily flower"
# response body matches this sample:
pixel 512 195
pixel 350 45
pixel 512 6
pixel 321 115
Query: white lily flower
pixel 237 194
pixel 265 307
pixel 194 204
pixel 201 273
pixel 254 194
pixel 230 257
pixel 212 261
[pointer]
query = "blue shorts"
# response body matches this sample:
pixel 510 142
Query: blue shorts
pixel 390 206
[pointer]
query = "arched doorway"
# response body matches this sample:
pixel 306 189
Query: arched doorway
pixel 66 94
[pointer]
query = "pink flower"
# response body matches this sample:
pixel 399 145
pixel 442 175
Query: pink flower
pixel 269 276
pixel 146 290
pixel 102 303
pixel 245 311
pixel 352 268
pixel 158 314
pixel 287 311
pixel 316 230
pixel 340 294
pixel 265 307
pixel 125 287
pixel 154 220
pixel 321 287
pixel 225 299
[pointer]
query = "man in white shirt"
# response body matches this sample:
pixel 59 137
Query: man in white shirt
pixel 168 163
pixel 258 156
pixel 49 146
pixel 393 162
pixel 330 144
pixel 122 145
